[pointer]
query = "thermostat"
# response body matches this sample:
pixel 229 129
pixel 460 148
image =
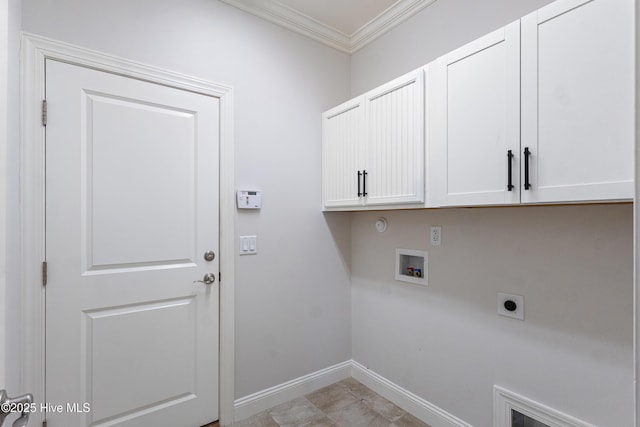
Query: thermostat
pixel 249 199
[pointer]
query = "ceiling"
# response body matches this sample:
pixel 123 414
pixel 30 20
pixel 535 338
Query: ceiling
pixel 347 25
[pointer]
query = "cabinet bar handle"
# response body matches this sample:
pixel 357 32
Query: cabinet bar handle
pixel 364 183
pixel 510 177
pixel 527 153
pixel 359 192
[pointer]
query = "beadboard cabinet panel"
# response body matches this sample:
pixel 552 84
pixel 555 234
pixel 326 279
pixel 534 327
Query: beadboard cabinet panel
pixel 373 148
pixel 395 141
pixel 577 100
pixel 475 122
pixel 342 154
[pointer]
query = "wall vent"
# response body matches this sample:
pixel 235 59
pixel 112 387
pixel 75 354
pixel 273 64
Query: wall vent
pixel 512 410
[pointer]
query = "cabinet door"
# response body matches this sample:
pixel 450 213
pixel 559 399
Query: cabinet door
pixel 577 100
pixel 342 132
pixel 474 106
pixel 395 141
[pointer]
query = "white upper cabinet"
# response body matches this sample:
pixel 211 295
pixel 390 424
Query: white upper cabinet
pixel 540 111
pixel 578 101
pixel 474 122
pixel 373 147
pixel 395 142
pixel 342 154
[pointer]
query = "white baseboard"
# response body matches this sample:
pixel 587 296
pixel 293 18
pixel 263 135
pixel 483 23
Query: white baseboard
pixel 268 398
pixel 415 405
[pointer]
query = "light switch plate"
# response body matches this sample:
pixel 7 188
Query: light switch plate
pixel 248 245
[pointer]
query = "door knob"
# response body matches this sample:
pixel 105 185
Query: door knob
pixel 208 279
pixel 209 256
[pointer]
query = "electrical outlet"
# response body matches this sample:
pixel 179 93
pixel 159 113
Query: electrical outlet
pixel 511 305
pixel 436 235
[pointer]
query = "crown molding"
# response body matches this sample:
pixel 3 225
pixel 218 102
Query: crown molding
pixel 285 16
pixel 387 20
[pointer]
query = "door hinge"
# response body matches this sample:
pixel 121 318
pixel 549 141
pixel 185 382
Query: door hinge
pixel 44 112
pixel 44 273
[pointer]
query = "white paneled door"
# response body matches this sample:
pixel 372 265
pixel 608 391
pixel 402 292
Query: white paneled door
pixel 131 210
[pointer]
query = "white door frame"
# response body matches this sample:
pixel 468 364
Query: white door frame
pixel 35 50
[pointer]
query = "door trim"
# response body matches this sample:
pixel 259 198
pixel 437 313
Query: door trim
pixel 35 50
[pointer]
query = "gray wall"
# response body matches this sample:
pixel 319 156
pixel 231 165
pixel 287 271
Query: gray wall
pixel 292 298
pixel 573 265
pixel 445 342
pixel 439 28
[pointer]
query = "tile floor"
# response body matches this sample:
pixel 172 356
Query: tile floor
pixel 347 403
